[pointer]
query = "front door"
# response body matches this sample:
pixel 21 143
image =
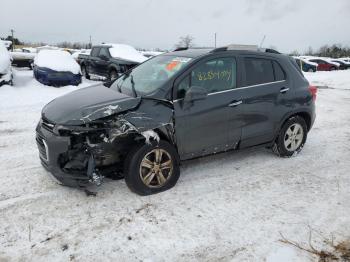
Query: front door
pixel 208 125
pixel 102 62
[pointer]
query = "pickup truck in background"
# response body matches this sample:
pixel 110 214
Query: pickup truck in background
pixel 109 60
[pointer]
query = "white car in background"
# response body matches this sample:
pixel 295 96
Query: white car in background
pixel 5 66
pixel 150 54
pixel 76 54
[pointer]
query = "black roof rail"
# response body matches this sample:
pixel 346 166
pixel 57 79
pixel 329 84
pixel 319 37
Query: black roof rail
pixel 269 50
pixel 180 49
pixel 219 49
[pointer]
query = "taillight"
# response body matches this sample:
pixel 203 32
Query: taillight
pixel 313 91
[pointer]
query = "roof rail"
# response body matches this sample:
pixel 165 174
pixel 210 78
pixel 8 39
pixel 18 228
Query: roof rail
pixel 245 48
pixel 269 50
pixel 180 49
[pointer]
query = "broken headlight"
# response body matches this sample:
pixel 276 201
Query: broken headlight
pixel 60 130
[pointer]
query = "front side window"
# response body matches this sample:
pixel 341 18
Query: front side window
pixel 95 51
pixel 150 75
pixel 258 71
pixel 214 76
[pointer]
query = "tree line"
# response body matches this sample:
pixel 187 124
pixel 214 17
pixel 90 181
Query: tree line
pixel 334 51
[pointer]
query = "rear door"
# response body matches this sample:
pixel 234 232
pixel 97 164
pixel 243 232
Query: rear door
pixel 265 99
pixel 207 126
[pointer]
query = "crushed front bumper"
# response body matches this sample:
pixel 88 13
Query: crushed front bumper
pixel 50 148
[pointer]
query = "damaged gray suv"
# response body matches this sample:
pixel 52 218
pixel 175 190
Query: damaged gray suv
pixel 177 106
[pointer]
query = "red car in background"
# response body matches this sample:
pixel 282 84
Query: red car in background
pixel 324 65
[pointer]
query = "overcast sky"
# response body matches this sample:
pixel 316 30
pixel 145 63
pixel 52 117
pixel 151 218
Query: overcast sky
pixel 287 24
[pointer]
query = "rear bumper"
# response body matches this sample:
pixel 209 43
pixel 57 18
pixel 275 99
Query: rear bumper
pixel 51 147
pixel 53 78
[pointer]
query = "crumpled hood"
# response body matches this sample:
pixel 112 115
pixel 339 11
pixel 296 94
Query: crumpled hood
pixel 87 104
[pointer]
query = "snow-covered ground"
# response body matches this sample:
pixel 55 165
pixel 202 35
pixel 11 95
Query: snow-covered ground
pixel 228 207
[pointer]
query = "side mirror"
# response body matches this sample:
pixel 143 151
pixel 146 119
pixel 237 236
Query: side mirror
pixel 195 93
pixel 108 83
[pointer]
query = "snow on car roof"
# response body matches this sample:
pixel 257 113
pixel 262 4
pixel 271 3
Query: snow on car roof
pixel 22 55
pixel 126 52
pixel 328 60
pixel 57 60
pixel 305 61
pixel 5 58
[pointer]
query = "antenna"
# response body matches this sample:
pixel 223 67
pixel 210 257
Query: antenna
pixel 262 41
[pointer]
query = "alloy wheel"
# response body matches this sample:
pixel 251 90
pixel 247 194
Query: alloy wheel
pixel 156 168
pixel 293 137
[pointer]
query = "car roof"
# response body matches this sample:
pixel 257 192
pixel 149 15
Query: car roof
pixel 191 52
pixel 198 52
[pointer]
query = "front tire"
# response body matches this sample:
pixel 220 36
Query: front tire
pixel 291 138
pixel 152 168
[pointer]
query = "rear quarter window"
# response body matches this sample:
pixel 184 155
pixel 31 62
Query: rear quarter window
pixel 258 71
pixel 280 75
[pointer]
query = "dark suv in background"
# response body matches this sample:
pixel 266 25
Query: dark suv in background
pixel 177 106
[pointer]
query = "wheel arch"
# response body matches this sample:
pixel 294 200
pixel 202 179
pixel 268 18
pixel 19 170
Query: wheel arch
pixel 303 114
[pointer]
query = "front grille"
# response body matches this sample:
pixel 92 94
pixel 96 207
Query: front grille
pixel 42 146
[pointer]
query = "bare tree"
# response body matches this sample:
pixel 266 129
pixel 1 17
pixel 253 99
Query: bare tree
pixel 185 41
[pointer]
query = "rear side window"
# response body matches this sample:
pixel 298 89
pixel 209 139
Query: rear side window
pixel 95 51
pixel 258 71
pixel 279 73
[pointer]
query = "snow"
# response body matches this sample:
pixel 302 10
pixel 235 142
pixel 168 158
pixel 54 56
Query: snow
pixel 151 53
pixel 328 60
pixel 22 55
pixel 306 61
pixel 57 60
pixel 150 134
pixel 126 52
pixel 228 207
pixel 5 59
pixel 81 52
pixel 7 43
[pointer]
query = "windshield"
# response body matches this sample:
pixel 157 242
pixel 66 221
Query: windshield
pixel 150 76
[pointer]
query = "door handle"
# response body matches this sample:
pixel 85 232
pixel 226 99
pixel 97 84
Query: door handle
pixel 236 103
pixel 284 90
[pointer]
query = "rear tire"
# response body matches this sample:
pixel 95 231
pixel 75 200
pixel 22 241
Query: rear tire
pixel 291 138
pixel 84 72
pixel 333 68
pixel 145 174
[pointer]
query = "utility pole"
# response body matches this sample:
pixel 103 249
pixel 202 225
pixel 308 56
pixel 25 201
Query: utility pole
pixel 90 43
pixel 215 40
pixel 13 41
